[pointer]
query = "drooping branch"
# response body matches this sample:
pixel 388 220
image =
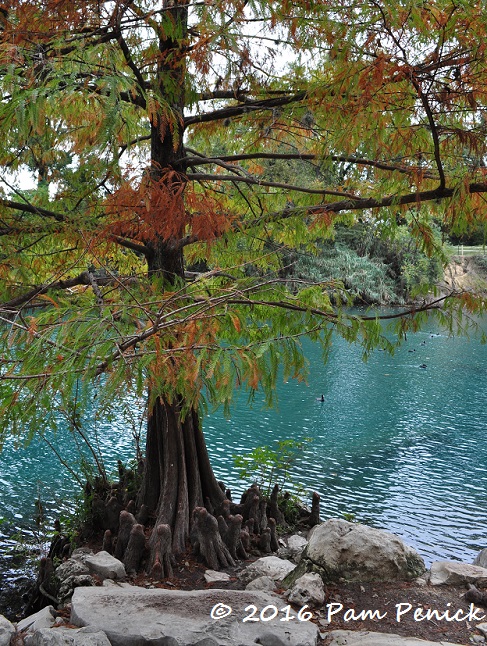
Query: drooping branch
pixel 83 278
pixel 130 62
pixel 202 307
pixel 434 131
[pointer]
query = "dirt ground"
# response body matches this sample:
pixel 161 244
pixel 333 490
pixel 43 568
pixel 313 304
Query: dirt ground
pixel 396 604
pixel 354 598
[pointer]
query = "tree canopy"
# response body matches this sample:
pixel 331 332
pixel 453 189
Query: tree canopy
pixel 178 148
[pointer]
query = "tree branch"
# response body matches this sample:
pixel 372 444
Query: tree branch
pixel 248 106
pixel 359 161
pixel 358 204
pixel 129 60
pixel 31 208
pixel 433 128
pixel 128 244
pixel 81 279
pixel 256 182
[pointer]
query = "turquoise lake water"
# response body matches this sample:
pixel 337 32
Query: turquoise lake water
pixel 398 446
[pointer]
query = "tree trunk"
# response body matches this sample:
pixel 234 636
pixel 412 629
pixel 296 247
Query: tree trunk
pixel 178 476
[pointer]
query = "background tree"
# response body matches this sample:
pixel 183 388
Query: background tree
pixel 147 125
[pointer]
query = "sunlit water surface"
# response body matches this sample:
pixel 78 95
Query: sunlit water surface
pixel 397 445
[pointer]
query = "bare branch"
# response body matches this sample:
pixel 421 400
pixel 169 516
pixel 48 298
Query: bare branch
pixel 358 161
pixel 256 182
pixel 248 106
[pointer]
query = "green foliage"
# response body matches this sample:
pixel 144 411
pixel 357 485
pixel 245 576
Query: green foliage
pixel 349 517
pixel 271 465
pixel 364 279
pixel 163 139
pixel 372 269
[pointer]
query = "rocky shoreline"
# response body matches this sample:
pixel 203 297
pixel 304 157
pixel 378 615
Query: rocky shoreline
pixel 285 599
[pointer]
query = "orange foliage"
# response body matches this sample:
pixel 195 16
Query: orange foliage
pixel 153 209
pixel 52 18
pixel 207 218
pixel 164 208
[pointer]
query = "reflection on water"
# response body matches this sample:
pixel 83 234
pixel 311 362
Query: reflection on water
pixel 399 446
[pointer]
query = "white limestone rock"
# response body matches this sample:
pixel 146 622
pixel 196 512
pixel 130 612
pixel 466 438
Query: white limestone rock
pixel 7 630
pixel 483 628
pixel 338 550
pixel 88 636
pixel 140 616
pixel 293 548
pixel 271 566
pixel 211 576
pixel 456 573
pixel 481 558
pixel 71 567
pixel 82 553
pixel 366 638
pixel 116 584
pixel 45 618
pixel 309 590
pixel 106 566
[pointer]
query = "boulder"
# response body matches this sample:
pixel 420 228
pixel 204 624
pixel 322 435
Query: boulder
pixel 481 558
pixel 7 630
pixel 212 576
pixel 456 573
pixel 140 616
pixel 366 638
pixel 309 590
pixel 67 637
pixel 71 567
pixel 71 583
pixel 45 618
pixel 293 548
pixel 271 566
pixel 80 554
pixel 339 550
pixel 106 566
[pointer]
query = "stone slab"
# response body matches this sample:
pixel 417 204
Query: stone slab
pixel 456 573
pixel 271 566
pixel 67 637
pixel 139 616
pixel 7 630
pixel 211 576
pixel 106 566
pixel 43 619
pixel 366 638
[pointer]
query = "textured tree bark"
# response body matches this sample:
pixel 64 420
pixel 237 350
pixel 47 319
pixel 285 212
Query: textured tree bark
pixel 135 549
pixel 178 476
pixel 127 522
pixel 161 561
pixel 208 543
pixel 314 517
